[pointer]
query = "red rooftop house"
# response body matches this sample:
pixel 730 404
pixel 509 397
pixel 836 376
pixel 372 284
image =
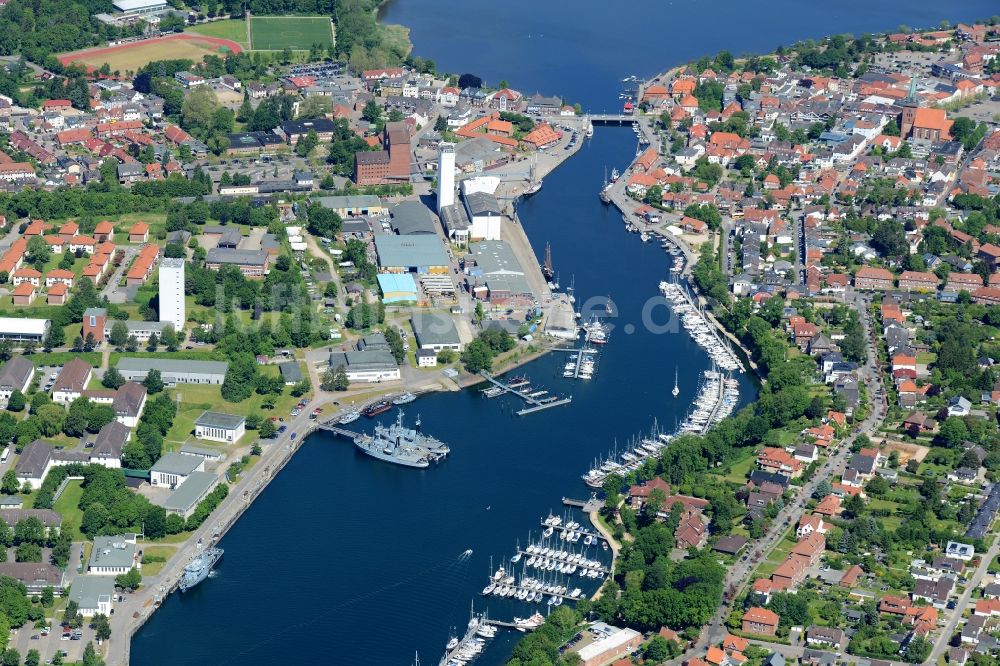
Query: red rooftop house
pixel 964 281
pixel 987 296
pixel 990 254
pixel 779 461
pixel 918 281
pixel 57 294
pixel 139 233
pixel 24 293
pixel 57 105
pixel 760 621
pixel 869 277
pixel 103 231
pixel 916 423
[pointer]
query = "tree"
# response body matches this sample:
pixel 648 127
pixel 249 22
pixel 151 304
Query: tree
pixel 395 342
pixel 60 552
pixel 323 221
pixel 659 649
pixel 889 239
pixel 335 379
pixel 823 488
pixel 153 381
pixel 918 649
pixel 10 657
pixel 307 143
pixel 469 81
pixel 169 338
pixel 101 627
pixel 112 379
pixel 10 485
pixel 16 401
pixel 28 552
pixel 372 112
pixel 477 357
pixel 239 382
pixel 198 110
pixel 39 252
pixel 129 581
pixel 119 334
pixel 267 429
pixel 153 343
pixel 54 337
pixel 953 432
pixel 33 658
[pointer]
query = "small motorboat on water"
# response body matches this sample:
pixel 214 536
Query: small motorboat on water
pixel 377 408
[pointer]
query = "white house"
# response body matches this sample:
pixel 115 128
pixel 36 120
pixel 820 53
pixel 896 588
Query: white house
pixel 72 380
pixel 219 427
pixel 113 555
pixel 960 551
pixel 93 595
pixel 16 374
pixel 173 468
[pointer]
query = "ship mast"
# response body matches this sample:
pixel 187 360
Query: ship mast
pixel 547 268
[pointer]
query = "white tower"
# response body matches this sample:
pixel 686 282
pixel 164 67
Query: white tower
pixel 446 175
pixel 172 293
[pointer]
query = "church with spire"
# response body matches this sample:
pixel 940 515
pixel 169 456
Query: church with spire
pixel 921 122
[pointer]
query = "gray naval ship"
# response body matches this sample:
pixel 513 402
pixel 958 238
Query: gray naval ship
pixel 198 569
pixel 401 445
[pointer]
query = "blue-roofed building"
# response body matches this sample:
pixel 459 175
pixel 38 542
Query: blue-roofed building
pixel 397 287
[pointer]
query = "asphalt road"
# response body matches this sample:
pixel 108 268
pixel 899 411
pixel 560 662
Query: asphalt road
pixel 738 574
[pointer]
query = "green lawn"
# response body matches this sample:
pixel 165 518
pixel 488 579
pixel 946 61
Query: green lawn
pixel 739 471
pixel 232 29
pixel 61 358
pixel 67 506
pixel 274 33
pixel 153 568
pixel 181 355
pixel 197 398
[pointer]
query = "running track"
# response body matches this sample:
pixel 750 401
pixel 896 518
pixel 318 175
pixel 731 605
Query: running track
pixel 67 58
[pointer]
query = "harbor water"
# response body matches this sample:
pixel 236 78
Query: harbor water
pixel 353 559
pixel 347 560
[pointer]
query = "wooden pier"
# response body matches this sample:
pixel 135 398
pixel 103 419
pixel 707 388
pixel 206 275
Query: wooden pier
pixel 536 402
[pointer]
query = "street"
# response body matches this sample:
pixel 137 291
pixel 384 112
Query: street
pixel 738 574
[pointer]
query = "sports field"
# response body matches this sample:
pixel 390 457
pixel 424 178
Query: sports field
pixel 130 57
pixel 299 33
pixel 234 29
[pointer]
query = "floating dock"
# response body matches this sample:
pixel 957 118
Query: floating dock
pixel 536 400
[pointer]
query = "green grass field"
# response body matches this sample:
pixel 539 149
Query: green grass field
pixel 299 33
pixel 197 398
pixel 233 29
pixel 67 506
